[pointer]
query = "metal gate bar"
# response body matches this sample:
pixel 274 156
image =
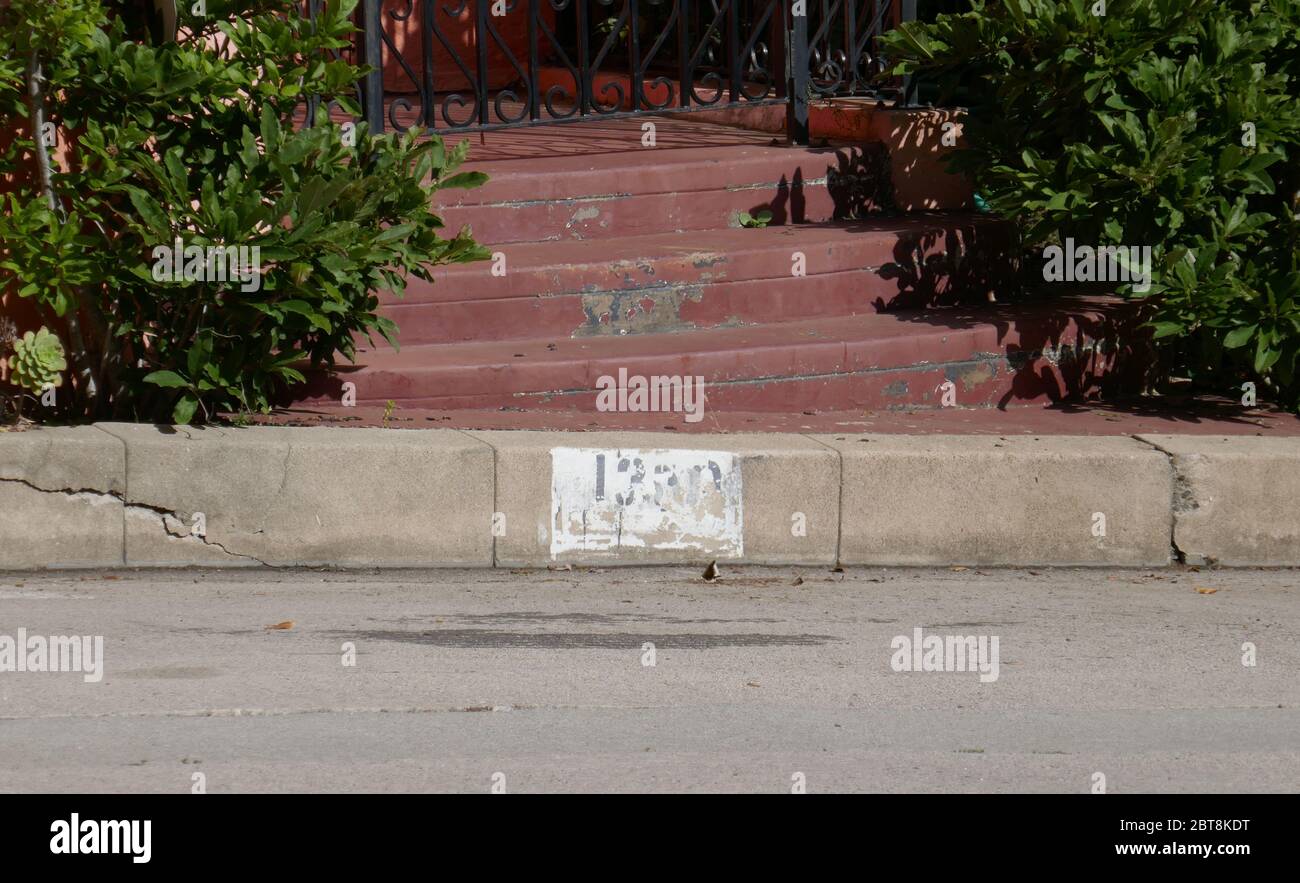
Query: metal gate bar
pixel 483 65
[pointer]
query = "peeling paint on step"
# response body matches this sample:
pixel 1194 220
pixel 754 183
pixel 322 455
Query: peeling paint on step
pixel 583 214
pixel 637 311
pixel 971 376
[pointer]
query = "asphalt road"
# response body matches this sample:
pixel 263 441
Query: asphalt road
pixel 536 681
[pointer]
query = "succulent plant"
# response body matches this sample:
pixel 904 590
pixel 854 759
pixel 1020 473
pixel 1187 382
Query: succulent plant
pixel 38 361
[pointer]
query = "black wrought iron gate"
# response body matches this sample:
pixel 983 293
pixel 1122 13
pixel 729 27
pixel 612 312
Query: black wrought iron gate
pixel 478 65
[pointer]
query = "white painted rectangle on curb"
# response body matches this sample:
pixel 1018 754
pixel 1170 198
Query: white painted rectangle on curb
pixel 613 498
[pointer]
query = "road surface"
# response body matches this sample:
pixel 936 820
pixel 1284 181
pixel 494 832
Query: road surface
pixel 767 680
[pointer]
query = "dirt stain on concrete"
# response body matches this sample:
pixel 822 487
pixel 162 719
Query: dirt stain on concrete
pixel 493 639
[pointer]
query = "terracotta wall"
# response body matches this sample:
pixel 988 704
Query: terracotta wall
pixel 461 33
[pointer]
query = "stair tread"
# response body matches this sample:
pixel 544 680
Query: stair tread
pixel 645 171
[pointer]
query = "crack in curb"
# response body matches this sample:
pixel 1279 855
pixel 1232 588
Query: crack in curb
pixel 1182 499
pixel 284 469
pixel 839 505
pixel 167 518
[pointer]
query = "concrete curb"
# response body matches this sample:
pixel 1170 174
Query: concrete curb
pixel 1236 499
pixel 1019 500
pixel 114 495
pixel 589 497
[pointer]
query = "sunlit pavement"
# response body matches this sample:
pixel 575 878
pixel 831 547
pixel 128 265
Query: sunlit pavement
pixel 651 679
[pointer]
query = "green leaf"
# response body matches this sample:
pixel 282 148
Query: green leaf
pixel 464 180
pixel 183 413
pixel 397 231
pixel 1239 336
pixel 166 379
pixel 270 129
pixel 150 212
pixel 304 309
pixel 199 354
pixel 176 170
pixel 1265 356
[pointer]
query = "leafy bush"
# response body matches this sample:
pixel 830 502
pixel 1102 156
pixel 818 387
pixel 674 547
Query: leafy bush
pixel 1168 123
pixel 192 142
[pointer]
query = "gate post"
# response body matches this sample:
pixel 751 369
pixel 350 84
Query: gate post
pixel 797 74
pixel 372 86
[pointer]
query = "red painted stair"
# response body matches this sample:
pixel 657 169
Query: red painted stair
pixel 993 355
pixel 644 191
pixel 666 282
pixel 633 259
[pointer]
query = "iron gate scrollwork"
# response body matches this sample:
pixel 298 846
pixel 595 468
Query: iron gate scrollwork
pixel 479 65
pixel 840 45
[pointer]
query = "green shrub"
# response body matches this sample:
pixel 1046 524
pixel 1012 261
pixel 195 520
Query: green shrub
pixel 1168 123
pixel 192 139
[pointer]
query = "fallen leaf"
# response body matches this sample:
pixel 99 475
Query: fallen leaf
pixel 1202 590
pixel 958 569
pixel 282 626
pixel 798 581
pixel 711 572
pixel 751 683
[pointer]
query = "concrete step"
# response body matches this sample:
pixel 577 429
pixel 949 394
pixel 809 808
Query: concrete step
pixel 994 355
pixel 667 282
pixel 637 191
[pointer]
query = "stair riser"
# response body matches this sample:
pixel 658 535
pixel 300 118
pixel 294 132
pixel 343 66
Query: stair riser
pixel 633 215
pixel 977 383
